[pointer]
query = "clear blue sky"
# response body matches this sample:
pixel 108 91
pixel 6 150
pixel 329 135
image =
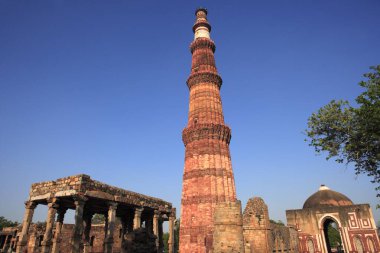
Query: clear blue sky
pixel 98 87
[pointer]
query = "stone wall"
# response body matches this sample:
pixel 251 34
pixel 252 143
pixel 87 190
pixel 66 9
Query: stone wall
pixel 283 239
pixel 228 225
pixel 36 233
pixel 256 226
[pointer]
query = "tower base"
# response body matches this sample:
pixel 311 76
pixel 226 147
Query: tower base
pixel 228 228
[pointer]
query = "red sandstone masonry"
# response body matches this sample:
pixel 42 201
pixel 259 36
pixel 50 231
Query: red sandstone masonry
pixel 208 176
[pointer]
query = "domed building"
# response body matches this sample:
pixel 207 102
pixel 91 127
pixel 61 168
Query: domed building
pixel 327 212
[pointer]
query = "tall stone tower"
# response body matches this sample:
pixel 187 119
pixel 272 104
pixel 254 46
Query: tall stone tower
pixel 208 178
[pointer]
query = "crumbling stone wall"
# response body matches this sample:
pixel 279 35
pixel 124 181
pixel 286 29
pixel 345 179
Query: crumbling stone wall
pixel 283 239
pixel 140 241
pixel 36 232
pixel 256 226
pixel 228 233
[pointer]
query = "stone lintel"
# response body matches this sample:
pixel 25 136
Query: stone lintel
pixel 83 185
pixel 42 197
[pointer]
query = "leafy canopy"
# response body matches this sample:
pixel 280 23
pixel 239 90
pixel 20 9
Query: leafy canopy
pixel 351 134
pixel 7 223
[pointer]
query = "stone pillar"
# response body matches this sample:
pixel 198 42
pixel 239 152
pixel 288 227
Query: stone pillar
pixel 160 236
pixel 87 229
pixel 58 229
pixel 28 216
pixel 171 232
pixel 156 218
pixel 46 243
pixel 123 221
pixel 137 219
pixel 5 243
pixel 108 242
pixel 1 241
pixel 79 202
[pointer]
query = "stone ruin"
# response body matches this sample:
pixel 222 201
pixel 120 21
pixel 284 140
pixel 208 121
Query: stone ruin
pixel 133 221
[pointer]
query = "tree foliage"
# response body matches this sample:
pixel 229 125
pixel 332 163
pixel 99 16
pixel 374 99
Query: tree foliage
pixel 98 219
pixel 334 236
pixel 351 134
pixel 279 222
pixel 7 223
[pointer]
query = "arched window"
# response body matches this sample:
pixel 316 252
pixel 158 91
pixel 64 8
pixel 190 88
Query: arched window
pixel 371 245
pixel 358 245
pixel 310 246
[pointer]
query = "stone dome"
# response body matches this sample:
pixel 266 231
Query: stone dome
pixel 325 197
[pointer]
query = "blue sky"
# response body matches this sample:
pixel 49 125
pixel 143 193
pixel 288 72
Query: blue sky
pixel 98 87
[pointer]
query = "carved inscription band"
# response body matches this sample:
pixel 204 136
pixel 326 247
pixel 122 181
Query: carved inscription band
pixel 202 199
pixel 202 43
pixel 205 77
pixel 207 172
pixel 206 131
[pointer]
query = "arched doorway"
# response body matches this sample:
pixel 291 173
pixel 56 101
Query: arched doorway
pixel 332 236
pixel 371 245
pixel 310 245
pixel 358 245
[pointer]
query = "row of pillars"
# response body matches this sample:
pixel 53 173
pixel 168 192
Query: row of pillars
pixel 6 242
pixel 82 227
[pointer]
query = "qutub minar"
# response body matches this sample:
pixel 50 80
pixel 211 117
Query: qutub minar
pixel 208 177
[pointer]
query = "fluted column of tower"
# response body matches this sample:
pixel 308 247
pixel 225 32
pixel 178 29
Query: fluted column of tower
pixel 208 178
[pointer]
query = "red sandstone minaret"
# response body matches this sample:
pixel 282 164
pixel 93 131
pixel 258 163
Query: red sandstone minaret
pixel 208 178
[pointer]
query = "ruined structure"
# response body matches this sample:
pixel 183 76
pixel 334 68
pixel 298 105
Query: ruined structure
pixel 261 235
pixel 354 223
pixel 88 197
pixel 208 178
pixel 8 237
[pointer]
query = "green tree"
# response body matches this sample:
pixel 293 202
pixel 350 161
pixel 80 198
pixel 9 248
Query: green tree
pixel 334 236
pixel 279 222
pixel 350 134
pixel 7 223
pixel 98 219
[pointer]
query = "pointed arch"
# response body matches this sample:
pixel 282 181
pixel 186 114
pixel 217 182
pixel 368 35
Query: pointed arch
pixel 358 244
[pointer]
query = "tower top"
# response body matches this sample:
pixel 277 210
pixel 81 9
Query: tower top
pixel 200 9
pixel 201 28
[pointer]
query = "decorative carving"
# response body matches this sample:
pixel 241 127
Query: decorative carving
pixel 206 131
pixel 30 204
pixel 204 77
pixel 207 172
pixel 202 43
pixel 200 199
pixel 79 200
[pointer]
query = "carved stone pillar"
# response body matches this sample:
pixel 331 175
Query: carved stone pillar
pixel 156 218
pixel 5 243
pixel 28 216
pixel 1 241
pixel 58 229
pixel 108 243
pixel 46 243
pixel 79 202
pixel 171 232
pixel 160 236
pixel 87 229
pixel 123 221
pixel 137 219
